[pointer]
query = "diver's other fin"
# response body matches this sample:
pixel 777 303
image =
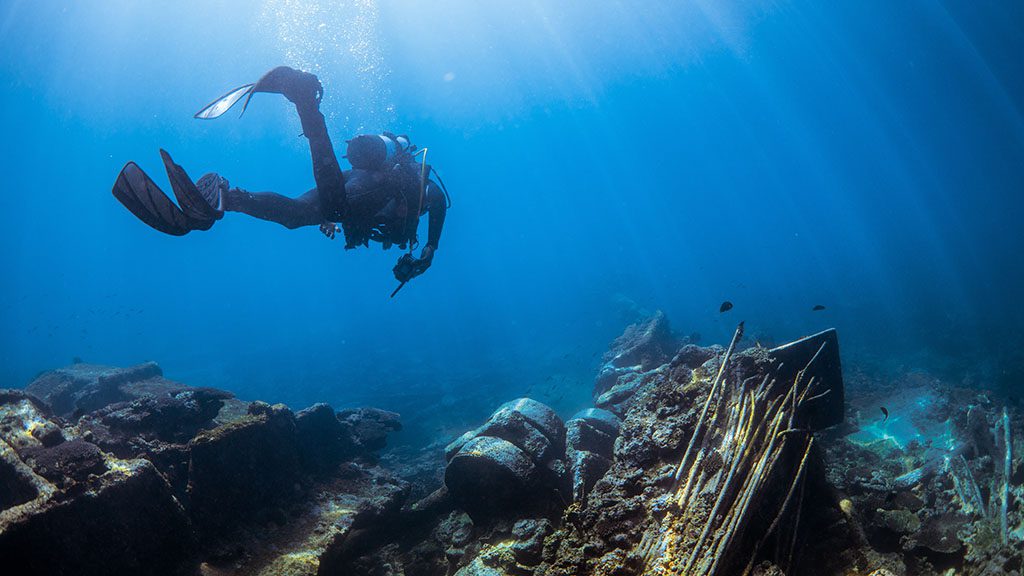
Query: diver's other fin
pixel 192 202
pixel 143 198
pixel 221 105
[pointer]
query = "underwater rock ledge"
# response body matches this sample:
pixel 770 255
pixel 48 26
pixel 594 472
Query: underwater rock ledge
pixel 120 471
pixel 692 460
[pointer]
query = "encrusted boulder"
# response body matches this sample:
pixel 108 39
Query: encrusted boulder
pixel 529 534
pixel 509 424
pixel 939 533
pixel 368 428
pixel 66 507
pixel 126 521
pixel 323 440
pixel 136 474
pixel 642 347
pixel 647 344
pixel 81 388
pixel 168 417
pixel 67 463
pixel 590 443
pixel 599 419
pixel 490 476
pixel 531 425
pixel 25 421
pixel 493 470
pixel 454 532
pixel 239 469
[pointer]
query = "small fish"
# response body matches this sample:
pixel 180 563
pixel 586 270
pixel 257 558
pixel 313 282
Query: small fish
pixel 884 413
pixel 817 308
pixel 725 307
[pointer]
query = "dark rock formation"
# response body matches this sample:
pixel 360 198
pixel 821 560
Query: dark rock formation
pixel 368 428
pixel 511 462
pixel 641 348
pixel 235 466
pixel 591 435
pixel 489 476
pixel 326 442
pixel 81 388
pixel 165 417
pixel 138 474
pixel 129 524
pixel 69 508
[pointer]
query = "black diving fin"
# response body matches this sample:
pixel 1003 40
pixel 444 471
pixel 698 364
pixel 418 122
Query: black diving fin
pixel 192 202
pixel 221 105
pixel 280 80
pixel 143 198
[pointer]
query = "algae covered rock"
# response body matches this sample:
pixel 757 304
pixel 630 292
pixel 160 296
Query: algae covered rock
pixel 530 425
pixel 368 428
pixel 898 521
pixel 510 425
pixel 509 465
pixel 68 508
pixel 590 443
pixel 939 533
pixel 136 474
pixel 323 440
pixel 602 420
pixel 130 524
pixel 541 416
pixel 83 387
pixel 237 469
pixel 489 476
pixel 529 534
pixel 66 463
pixel 173 417
pixel 642 347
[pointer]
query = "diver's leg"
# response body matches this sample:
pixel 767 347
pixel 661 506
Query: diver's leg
pixel 289 212
pixel 304 90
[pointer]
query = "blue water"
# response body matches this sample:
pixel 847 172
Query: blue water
pixel 604 159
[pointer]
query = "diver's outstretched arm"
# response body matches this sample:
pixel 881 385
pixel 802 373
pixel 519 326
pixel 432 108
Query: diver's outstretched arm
pixel 304 90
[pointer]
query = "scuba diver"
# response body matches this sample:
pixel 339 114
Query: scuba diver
pixel 380 199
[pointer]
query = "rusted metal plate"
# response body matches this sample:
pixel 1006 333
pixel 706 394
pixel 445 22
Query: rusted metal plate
pixel 827 410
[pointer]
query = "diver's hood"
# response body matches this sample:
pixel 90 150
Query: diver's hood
pixel 375 151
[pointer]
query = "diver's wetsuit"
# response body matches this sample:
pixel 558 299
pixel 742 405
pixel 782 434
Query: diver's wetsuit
pixel 370 205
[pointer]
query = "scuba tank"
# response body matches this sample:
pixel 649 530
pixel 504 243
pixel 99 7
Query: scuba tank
pixel 377 151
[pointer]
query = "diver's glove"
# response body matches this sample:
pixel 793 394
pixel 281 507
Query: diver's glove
pixel 329 229
pixel 409 267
